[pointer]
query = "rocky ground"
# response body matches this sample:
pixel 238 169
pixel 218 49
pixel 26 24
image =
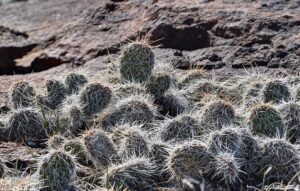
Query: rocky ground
pixel 45 39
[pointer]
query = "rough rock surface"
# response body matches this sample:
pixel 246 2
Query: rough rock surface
pixel 41 39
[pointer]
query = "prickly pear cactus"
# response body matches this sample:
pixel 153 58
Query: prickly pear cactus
pixel 136 62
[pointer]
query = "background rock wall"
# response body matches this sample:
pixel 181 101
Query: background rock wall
pixel 41 38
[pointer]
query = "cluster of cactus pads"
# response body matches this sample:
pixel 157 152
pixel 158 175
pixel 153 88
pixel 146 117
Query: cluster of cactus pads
pixel 150 128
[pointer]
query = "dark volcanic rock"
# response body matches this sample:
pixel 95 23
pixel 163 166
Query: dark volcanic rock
pixel 247 57
pixel 181 38
pixel 13 45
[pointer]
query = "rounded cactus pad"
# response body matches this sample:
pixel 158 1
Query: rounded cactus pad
pixel 276 91
pixel 290 113
pixel 253 93
pixel 200 89
pixel 249 151
pixel 191 76
pixel 22 95
pixel 159 152
pixel 94 98
pixel 133 110
pixel 56 93
pixel 225 140
pixel 133 143
pixel 265 120
pixel 283 159
pixel 173 103
pixel 217 114
pixel 136 62
pixel 227 168
pixel 77 149
pixel 158 84
pixel 74 82
pixel 181 128
pixel 135 174
pixel 57 171
pixel 26 124
pixel 190 160
pixel 76 120
pixel 238 141
pixel 233 90
pixel 100 148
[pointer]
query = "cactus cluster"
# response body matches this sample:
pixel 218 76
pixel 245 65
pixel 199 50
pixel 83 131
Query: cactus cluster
pixel 145 127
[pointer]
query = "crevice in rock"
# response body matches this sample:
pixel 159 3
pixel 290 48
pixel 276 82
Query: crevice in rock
pixel 40 63
pixel 250 64
pixel 182 38
pixel 118 1
pixel 44 62
pixel 110 7
pixel 4 109
pixel 8 55
pixel 112 50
